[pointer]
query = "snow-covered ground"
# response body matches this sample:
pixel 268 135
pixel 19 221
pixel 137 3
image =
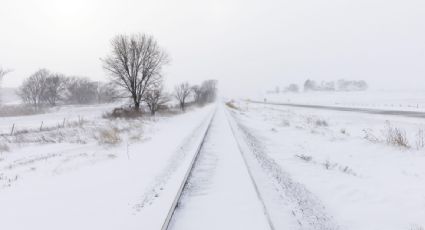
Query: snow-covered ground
pixel 389 100
pixel 220 193
pixel 299 168
pixel 55 117
pixel 95 173
pixel 335 170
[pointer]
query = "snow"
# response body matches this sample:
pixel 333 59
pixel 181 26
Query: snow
pixel 361 184
pixel 220 193
pixel 71 113
pixel 377 99
pixel 306 168
pixel 74 185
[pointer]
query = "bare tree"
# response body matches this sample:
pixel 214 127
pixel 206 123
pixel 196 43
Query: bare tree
pixel 208 91
pixel 205 93
pixel 54 89
pixel 81 91
pixel 33 88
pixel 135 60
pixel 3 72
pixel 292 88
pixel 155 97
pixel 181 93
pixel 107 92
pixel 197 93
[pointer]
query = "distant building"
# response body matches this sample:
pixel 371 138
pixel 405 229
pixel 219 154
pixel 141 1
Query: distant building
pixel 311 85
pixel 293 88
pixel 344 85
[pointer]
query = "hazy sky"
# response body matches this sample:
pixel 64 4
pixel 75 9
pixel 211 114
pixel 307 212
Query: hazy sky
pixel 247 45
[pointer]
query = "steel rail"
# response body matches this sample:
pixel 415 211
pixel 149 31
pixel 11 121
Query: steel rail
pixel 167 221
pixel 254 183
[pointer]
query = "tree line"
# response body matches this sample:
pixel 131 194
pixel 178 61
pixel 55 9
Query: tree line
pixel 201 94
pixel 44 88
pixel 134 68
pixel 135 65
pixel 311 85
pixel 340 85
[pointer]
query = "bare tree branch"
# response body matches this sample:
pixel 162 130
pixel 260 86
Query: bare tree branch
pixel 34 87
pixel 134 64
pixel 181 93
pixel 154 96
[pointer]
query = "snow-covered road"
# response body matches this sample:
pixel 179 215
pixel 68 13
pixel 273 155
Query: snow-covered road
pixel 403 113
pixel 220 193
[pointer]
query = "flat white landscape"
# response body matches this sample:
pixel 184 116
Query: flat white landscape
pixel 401 100
pixel 77 183
pixel 260 166
pixel 212 115
pixel 362 183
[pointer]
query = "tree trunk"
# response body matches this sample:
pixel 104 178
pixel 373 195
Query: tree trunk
pixel 136 105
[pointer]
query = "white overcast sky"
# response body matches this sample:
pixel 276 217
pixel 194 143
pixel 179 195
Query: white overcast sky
pixel 246 44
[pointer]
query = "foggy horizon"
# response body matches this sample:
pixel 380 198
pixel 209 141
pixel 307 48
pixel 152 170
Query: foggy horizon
pixel 255 45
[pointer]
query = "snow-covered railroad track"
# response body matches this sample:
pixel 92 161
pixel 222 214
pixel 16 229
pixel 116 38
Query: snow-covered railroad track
pixel 218 192
pixel 174 204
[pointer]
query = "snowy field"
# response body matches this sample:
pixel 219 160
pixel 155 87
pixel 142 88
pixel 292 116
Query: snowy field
pixel 94 173
pixel 56 117
pixel 336 170
pixel 388 100
pixel 260 167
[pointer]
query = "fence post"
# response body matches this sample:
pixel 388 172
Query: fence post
pixel 41 126
pixel 13 128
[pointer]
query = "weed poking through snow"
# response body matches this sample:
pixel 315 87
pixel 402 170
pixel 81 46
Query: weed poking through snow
pixel 304 157
pixel 368 135
pixel 232 105
pixel 416 227
pixel 109 136
pixel 395 136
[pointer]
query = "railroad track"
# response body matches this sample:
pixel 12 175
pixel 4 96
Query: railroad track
pixel 251 177
pixel 256 199
pixel 176 200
